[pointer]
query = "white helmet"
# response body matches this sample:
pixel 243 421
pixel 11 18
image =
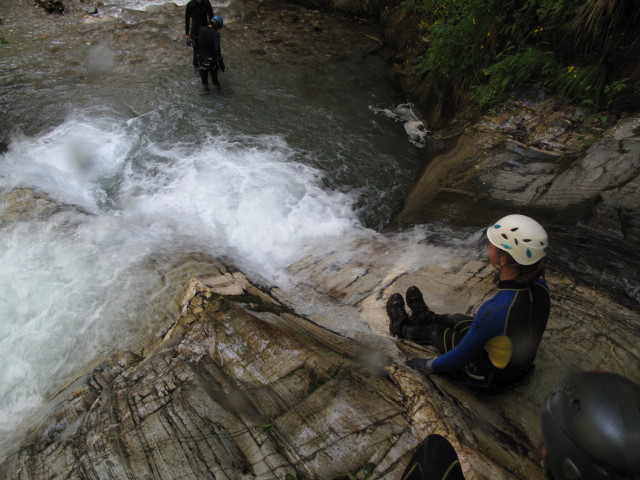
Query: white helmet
pixel 520 236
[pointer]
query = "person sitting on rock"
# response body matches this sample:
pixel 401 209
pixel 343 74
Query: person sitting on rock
pixel 497 348
pixel 590 431
pixel 210 53
pixel 198 13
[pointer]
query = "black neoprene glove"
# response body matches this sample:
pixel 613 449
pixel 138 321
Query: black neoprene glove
pixel 221 65
pixel 422 364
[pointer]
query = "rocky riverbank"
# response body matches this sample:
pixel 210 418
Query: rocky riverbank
pixel 538 156
pixel 240 386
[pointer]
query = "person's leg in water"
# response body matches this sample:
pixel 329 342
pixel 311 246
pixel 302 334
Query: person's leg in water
pixel 196 49
pixel 214 78
pixel 204 76
pixel 434 459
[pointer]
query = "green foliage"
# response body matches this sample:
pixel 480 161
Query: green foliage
pixel 617 86
pixel 512 71
pixel 485 48
pixel 587 82
pixel 457 37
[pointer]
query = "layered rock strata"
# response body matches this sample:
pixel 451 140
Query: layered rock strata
pixel 242 387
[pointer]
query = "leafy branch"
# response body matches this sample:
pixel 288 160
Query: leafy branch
pixel 484 49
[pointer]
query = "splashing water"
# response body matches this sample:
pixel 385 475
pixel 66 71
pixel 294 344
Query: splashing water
pixel 70 281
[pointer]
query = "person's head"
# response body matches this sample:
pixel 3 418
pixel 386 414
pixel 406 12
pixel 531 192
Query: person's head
pixel 591 428
pixel 218 22
pixel 519 243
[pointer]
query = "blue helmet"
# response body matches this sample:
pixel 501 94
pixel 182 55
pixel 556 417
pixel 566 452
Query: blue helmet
pixel 218 20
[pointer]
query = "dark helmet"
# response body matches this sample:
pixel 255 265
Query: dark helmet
pixel 218 21
pixel 591 428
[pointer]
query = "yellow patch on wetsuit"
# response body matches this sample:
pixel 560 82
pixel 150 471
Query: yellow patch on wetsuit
pixel 500 350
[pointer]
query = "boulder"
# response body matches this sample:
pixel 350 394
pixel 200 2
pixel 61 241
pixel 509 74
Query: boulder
pixel 540 157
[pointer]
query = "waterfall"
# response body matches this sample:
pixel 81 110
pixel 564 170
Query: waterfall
pixel 70 280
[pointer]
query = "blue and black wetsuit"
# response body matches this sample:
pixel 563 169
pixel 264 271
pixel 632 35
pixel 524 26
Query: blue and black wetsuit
pixel 502 339
pixel 197 14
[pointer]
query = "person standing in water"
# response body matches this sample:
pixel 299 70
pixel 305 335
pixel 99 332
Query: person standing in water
pixel 198 13
pixel 210 54
pixel 496 349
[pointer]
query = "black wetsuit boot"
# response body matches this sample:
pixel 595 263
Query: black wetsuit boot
pixel 397 315
pixel 420 313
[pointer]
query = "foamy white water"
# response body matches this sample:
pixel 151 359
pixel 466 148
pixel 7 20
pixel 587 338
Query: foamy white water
pixel 69 282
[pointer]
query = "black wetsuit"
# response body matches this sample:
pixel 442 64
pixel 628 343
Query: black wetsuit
pixel 210 55
pixel 502 339
pixel 434 459
pixel 197 14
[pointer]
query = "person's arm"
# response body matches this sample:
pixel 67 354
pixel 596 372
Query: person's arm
pixel 486 325
pixel 209 11
pixel 187 17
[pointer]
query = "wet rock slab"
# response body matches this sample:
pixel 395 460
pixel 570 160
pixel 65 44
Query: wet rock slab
pixel 246 389
pixel 240 386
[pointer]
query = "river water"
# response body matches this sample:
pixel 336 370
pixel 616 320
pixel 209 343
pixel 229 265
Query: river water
pixel 151 179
